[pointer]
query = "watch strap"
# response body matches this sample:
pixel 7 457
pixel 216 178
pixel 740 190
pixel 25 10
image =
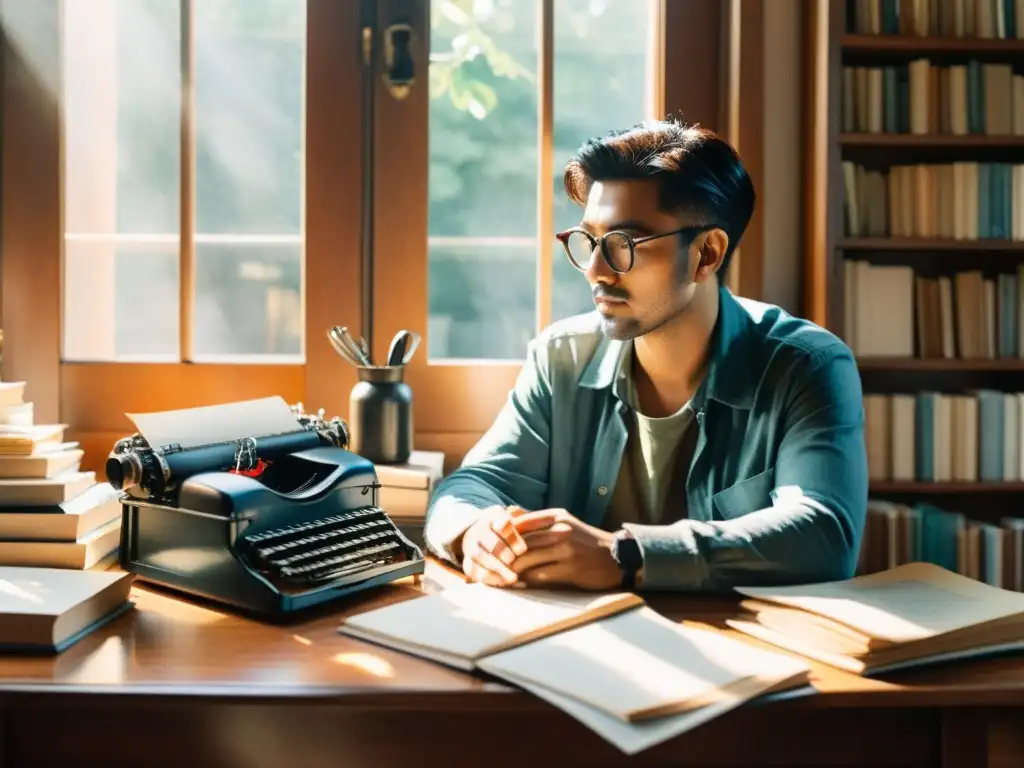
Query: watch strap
pixel 626 551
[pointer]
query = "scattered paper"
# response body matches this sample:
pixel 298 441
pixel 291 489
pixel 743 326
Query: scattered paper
pixel 632 738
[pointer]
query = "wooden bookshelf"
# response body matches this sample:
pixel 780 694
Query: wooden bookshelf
pixel 894 487
pixel 920 46
pixel 829 47
pixel 939 364
pixel 927 244
pixel 931 140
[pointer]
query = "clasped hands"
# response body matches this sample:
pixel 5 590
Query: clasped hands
pixel 549 547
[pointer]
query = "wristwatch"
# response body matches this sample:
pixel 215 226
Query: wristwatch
pixel 626 552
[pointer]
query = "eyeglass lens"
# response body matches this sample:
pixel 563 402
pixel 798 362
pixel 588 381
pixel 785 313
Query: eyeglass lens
pixel 581 250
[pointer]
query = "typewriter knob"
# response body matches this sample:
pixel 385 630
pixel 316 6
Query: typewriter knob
pixel 124 470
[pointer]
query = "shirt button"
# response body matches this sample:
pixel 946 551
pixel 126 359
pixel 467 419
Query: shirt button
pixel 602 490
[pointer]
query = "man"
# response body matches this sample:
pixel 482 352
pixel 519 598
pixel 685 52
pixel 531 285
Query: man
pixel 678 437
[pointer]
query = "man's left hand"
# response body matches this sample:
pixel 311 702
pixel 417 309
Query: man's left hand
pixel 567 553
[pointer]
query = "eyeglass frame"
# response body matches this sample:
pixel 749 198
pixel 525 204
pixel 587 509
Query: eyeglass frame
pixel 632 242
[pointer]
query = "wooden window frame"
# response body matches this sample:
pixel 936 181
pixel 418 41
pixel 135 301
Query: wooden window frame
pixel 93 397
pixel 456 402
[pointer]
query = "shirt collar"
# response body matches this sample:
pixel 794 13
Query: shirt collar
pixel 729 380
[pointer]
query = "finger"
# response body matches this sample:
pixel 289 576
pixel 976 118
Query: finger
pixel 490 541
pixel 476 572
pixel 547 537
pixel 552 573
pixel 533 521
pixel 506 529
pixel 545 556
pixel 488 562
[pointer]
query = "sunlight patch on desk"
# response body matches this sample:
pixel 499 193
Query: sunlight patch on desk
pixel 365 662
pixel 177 610
pixel 301 639
pixel 106 665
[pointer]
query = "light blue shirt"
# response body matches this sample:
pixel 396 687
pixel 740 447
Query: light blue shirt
pixel 778 484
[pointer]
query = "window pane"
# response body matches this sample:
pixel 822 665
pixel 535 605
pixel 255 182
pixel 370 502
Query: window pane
pixel 598 87
pixel 483 178
pixel 249 101
pixel 135 316
pixel 121 101
pixel 477 284
pixel 254 306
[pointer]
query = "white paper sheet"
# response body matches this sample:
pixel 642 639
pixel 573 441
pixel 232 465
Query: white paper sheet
pixel 192 427
pixel 632 738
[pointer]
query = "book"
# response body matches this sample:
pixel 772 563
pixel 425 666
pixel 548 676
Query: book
pixel 639 665
pixel 405 489
pixel 49 609
pixel 462 624
pixel 42 491
pixel 637 679
pixel 17 440
pixel 83 553
pixel 631 675
pixel 41 465
pixel 915 614
pixel 69 521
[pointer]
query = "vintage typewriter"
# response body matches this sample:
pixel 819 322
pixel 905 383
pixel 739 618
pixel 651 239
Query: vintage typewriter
pixel 268 523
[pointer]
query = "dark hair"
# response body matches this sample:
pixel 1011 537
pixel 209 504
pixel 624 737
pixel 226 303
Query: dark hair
pixel 696 170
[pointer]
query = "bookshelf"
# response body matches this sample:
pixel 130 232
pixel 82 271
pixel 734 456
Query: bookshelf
pixel 914 236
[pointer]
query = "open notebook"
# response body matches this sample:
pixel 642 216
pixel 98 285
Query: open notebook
pixel 463 624
pixel 910 615
pixel 631 675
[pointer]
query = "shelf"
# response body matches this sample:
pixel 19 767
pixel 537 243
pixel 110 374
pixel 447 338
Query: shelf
pixel 905 486
pixel 927 244
pixel 912 44
pixel 931 140
pixel 938 364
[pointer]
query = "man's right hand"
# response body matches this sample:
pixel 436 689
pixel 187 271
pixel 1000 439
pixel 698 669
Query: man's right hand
pixel 489 546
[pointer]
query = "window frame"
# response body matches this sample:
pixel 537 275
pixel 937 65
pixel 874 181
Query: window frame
pixel 92 398
pixel 455 402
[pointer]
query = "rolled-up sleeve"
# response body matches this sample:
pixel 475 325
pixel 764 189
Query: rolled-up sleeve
pixel 812 531
pixel 507 466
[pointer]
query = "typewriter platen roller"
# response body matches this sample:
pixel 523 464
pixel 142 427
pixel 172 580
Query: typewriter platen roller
pixel 268 524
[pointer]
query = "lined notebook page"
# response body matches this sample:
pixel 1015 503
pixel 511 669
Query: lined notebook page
pixel 640 665
pixel 909 602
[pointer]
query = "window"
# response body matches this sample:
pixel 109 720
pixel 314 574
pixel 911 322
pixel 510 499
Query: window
pixel 185 182
pixel 485 144
pixel 185 223
pixel 468 256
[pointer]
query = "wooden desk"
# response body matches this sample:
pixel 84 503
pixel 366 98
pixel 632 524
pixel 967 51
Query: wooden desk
pixel 175 683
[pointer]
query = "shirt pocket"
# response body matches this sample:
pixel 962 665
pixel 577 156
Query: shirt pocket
pixel 746 496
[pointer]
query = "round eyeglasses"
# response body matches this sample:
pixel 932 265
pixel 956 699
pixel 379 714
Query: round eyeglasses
pixel 617 248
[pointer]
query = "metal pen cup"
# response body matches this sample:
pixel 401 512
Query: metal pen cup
pixel 380 415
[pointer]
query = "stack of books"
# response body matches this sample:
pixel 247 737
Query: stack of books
pixel 405 490
pixel 912 615
pixel 52 514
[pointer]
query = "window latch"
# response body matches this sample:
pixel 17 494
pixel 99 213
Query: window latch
pixel 399 68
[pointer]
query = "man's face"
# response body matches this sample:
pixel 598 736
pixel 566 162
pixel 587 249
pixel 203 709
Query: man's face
pixel 661 282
